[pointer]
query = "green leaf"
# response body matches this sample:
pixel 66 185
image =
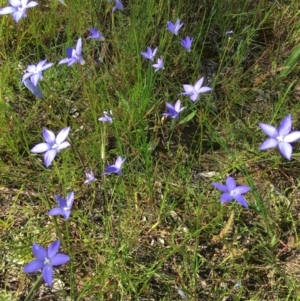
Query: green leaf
pixel 188 117
pixel 291 62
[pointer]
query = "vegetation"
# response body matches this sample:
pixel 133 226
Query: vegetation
pixel 159 231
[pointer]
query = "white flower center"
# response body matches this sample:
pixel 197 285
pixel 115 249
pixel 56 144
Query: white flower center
pixel 66 208
pixel 47 261
pixel 232 192
pixel 54 146
pixel 280 138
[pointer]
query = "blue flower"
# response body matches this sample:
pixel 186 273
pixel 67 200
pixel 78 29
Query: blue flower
pixel 115 168
pixel 17 8
pixel 107 117
pixel 174 28
pixel 74 55
pixel 35 72
pixel 159 64
pixel 174 111
pixel 64 206
pixel 149 54
pixel 231 191
pixel 229 32
pixel 281 137
pixel 46 260
pixel 96 35
pixel 187 43
pixel 196 90
pixel 89 177
pixel 53 145
pixel 118 5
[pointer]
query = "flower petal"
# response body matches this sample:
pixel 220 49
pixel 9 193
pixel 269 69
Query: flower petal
pixel 145 55
pixel 199 84
pixel 40 148
pixel 7 10
pixel 220 186
pixel 47 66
pixel 14 3
pixel 60 201
pixel 59 259
pixel 31 4
pixel 70 199
pixel 66 214
pixel 286 150
pixel 81 61
pixel 110 169
pixel 64 61
pixel 204 89
pixel 177 106
pixel 154 52
pixel 119 162
pixel 194 97
pixel 49 136
pixel 53 248
pixel 31 68
pixel 269 130
pixel 188 89
pixel 170 107
pixel 24 3
pixel 39 252
pixel 48 274
pixel 79 47
pixel 230 183
pixel 49 156
pixel 33 266
pixel 226 197
pixel 72 61
pixel 18 15
pixel 25 76
pixel 56 211
pixel 241 200
pixel 40 65
pixel 62 135
pixel 285 126
pixel 35 78
pixel 242 189
pixel 269 143
pixel 292 137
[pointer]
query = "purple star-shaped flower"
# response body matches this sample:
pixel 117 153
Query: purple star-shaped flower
pixel 159 64
pixel 35 72
pixel 118 5
pixel 231 191
pixel 149 54
pixel 187 43
pixel 229 32
pixel 281 137
pixel 46 260
pixel 74 55
pixel 107 117
pixel 53 145
pixel 115 168
pixel 174 28
pixel 96 35
pixel 17 8
pixel 64 206
pixel 173 111
pixel 89 177
pixel 196 90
